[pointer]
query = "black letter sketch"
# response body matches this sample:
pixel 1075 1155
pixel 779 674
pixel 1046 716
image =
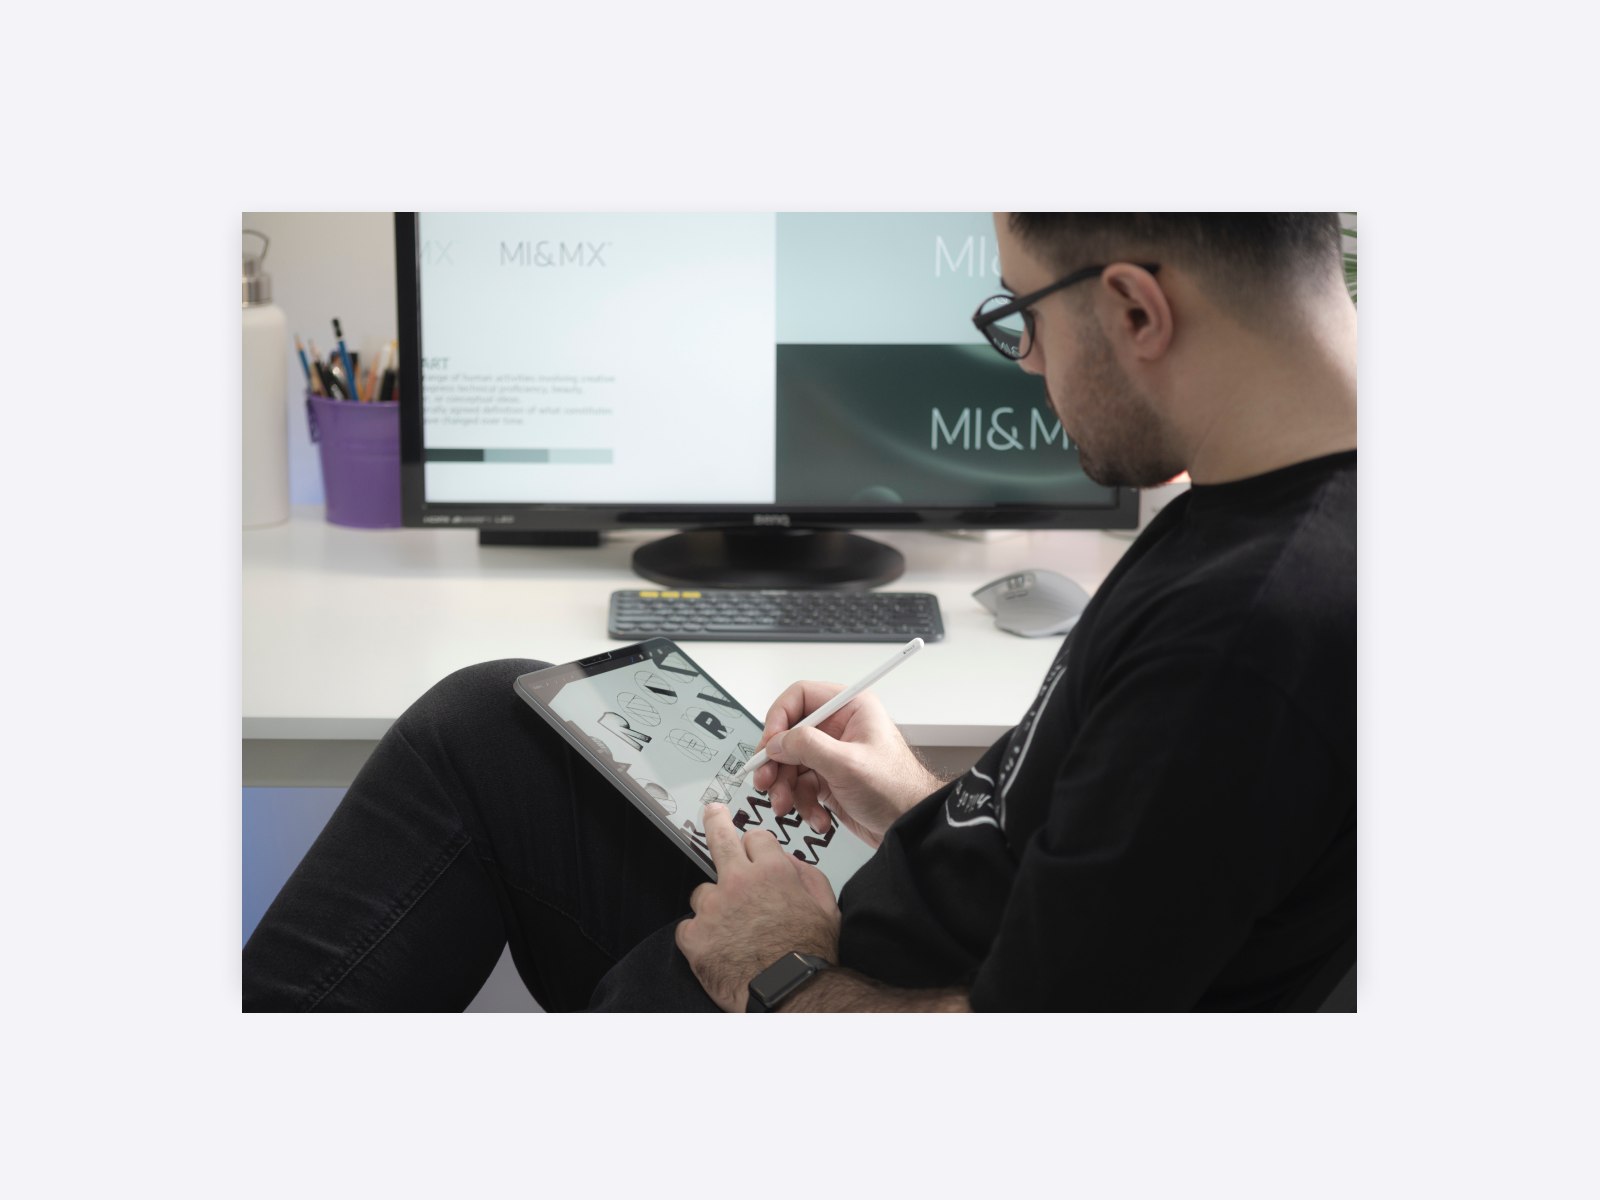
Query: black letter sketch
pixel 640 709
pixel 656 686
pixel 813 842
pixel 699 838
pixel 746 749
pixel 731 767
pixel 751 819
pixel 691 746
pixel 677 664
pixel 617 724
pixel 708 721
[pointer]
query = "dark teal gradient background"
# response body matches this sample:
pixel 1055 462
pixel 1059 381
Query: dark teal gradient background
pixel 854 425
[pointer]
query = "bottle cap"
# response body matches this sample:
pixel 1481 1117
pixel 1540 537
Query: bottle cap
pixel 257 283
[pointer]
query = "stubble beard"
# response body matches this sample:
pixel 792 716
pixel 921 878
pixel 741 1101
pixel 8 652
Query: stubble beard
pixel 1121 441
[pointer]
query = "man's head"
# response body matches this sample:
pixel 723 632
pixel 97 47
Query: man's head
pixel 1147 370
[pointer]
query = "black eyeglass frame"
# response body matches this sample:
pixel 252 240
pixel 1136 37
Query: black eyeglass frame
pixel 1022 304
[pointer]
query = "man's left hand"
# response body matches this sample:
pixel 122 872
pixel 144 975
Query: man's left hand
pixel 764 904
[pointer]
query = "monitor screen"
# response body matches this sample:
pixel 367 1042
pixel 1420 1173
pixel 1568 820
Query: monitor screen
pixel 634 365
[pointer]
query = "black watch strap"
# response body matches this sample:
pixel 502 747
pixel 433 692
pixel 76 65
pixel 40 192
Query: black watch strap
pixel 782 979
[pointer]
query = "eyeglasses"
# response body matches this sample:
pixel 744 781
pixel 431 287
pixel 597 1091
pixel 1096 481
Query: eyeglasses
pixel 1007 321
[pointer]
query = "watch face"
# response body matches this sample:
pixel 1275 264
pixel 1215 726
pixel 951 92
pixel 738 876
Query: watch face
pixel 780 977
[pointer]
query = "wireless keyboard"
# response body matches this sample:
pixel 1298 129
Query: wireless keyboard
pixel 775 616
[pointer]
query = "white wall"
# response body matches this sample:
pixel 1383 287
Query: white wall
pixel 326 265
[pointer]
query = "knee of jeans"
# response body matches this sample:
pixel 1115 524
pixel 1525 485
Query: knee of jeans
pixel 476 694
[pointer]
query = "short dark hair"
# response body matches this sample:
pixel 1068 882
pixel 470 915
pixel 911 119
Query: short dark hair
pixel 1242 259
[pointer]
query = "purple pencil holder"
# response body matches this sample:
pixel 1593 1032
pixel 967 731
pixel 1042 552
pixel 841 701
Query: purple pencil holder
pixel 360 445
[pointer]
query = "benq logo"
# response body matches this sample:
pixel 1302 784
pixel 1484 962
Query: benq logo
pixel 772 519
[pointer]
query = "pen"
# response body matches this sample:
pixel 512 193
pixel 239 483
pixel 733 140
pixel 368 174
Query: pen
pixel 344 355
pixel 318 385
pixel 839 701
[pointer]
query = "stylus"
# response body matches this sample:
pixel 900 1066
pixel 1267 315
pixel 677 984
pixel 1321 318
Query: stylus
pixel 839 701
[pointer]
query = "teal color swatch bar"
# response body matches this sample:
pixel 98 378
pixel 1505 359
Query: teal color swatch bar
pixel 565 456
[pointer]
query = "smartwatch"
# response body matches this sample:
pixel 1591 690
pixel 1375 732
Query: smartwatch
pixel 782 979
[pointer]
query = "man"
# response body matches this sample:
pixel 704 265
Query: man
pixel 1171 826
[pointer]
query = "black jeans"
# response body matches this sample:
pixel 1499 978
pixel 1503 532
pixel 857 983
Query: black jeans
pixel 474 824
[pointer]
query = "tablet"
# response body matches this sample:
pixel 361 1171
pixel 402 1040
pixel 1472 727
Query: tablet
pixel 671 740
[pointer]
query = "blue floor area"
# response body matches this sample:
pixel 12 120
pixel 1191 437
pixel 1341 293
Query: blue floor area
pixel 278 828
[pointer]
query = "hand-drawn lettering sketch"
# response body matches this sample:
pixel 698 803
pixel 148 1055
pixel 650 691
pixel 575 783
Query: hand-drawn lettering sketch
pixel 659 794
pixel 723 790
pixel 656 686
pixel 715 696
pixel 814 843
pixel 690 745
pixel 616 723
pixel 621 720
pixel 675 663
pixel 708 721
pixel 639 709
pixel 749 817
pixel 598 746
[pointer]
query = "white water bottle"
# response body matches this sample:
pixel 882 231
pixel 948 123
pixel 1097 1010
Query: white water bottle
pixel 265 426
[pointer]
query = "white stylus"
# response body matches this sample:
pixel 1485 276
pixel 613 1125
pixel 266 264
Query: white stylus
pixel 839 701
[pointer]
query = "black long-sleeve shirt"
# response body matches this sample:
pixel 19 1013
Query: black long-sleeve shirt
pixel 1173 824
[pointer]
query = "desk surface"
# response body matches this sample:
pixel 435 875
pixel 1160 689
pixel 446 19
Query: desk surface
pixel 343 628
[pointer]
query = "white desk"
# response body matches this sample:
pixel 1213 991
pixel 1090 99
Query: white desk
pixel 343 628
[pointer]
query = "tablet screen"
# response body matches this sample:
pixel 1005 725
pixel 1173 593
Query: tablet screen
pixel 664 729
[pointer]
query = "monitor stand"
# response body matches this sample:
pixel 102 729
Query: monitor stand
pixel 742 557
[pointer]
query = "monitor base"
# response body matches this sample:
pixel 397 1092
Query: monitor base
pixel 828 559
pixel 538 537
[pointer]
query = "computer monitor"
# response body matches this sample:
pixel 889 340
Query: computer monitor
pixel 766 382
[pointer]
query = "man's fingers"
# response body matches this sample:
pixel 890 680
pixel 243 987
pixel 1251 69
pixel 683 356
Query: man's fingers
pixel 781 793
pixel 722 838
pixel 697 897
pixel 797 701
pixel 765 776
pixel 812 748
pixel 808 800
pixel 684 935
pixel 760 843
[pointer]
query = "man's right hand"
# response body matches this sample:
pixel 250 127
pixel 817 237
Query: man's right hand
pixel 855 762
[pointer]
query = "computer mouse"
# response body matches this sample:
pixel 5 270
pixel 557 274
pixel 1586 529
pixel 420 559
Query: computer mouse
pixel 1034 603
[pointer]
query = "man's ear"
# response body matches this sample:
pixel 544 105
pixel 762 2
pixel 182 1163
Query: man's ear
pixel 1140 313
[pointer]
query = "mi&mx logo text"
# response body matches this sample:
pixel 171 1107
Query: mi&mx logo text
pixel 553 254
